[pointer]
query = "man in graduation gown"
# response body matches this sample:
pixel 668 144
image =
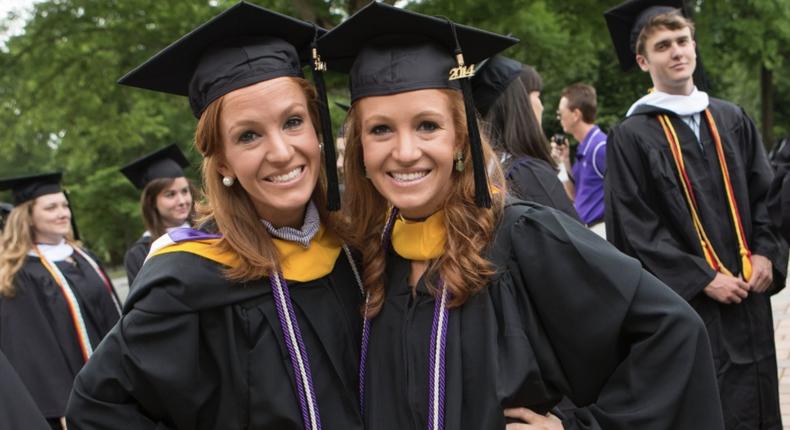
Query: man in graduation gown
pixel 686 195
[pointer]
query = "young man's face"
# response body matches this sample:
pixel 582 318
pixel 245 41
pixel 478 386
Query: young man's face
pixel 670 59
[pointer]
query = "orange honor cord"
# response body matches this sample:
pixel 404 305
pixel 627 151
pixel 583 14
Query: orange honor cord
pixel 743 248
pixel 707 247
pixel 71 301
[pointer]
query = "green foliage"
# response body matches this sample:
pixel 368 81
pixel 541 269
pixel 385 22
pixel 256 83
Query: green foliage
pixel 62 110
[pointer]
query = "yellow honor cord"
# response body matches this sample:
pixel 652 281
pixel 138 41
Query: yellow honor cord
pixel 420 240
pixel 296 262
pixel 707 247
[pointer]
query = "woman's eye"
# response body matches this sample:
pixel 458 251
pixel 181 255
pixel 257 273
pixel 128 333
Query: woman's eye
pixel 293 122
pixel 428 126
pixel 248 136
pixel 379 129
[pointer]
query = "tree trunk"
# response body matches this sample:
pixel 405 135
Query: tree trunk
pixel 767 105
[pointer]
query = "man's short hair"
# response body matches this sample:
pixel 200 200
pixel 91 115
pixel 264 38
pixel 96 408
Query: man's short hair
pixel 582 96
pixel 671 20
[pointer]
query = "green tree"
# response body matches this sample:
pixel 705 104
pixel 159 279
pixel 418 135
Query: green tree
pixel 62 110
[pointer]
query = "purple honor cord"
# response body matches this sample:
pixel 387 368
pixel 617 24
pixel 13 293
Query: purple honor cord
pixel 436 361
pixel 437 350
pixel 297 352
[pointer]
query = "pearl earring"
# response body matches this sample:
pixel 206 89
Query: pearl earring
pixel 228 181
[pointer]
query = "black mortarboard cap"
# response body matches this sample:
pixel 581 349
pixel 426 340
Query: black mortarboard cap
pixel 491 79
pixel 625 22
pixel 168 162
pixel 387 50
pixel 26 188
pixel 241 46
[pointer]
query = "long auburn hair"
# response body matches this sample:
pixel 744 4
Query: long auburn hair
pixel 16 241
pixel 462 267
pixel 152 219
pixel 511 123
pixel 231 209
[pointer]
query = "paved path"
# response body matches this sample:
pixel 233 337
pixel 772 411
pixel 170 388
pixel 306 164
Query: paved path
pixel 781 305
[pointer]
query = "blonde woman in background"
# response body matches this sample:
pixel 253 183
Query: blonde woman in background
pixel 56 301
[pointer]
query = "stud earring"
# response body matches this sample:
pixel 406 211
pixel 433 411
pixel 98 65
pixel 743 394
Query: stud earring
pixel 320 146
pixel 228 181
pixel 459 161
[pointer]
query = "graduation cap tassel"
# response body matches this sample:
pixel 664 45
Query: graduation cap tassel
pixel 482 194
pixel 330 155
pixel 464 74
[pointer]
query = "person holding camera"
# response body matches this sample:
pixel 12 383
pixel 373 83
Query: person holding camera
pixel 584 184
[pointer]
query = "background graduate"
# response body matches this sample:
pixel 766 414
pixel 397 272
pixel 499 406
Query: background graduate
pixel 478 306
pixel 507 96
pixel 56 301
pixel 166 201
pixel 686 195
pixel 252 322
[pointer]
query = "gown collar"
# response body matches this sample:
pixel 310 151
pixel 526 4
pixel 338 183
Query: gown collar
pixel 58 252
pixel 297 262
pixel 691 104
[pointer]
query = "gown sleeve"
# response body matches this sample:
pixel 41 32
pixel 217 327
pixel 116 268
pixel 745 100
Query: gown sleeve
pixel 19 411
pixel 528 180
pixel 146 369
pixel 38 339
pixel 134 258
pixel 765 238
pixel 632 354
pixel 634 226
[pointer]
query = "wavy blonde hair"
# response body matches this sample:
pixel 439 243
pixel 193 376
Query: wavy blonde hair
pixel 470 229
pixel 15 242
pixel 231 208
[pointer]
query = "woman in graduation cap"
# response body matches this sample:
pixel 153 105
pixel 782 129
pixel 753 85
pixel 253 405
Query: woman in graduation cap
pixel 507 96
pixel 251 322
pixel 56 301
pixel 478 306
pixel 166 201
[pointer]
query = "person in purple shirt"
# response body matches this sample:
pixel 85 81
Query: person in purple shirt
pixel 576 112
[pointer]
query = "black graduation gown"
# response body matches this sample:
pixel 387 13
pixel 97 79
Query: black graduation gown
pixel 779 194
pixel 18 410
pixel 195 351
pixel 647 218
pixel 37 333
pixel 534 180
pixel 566 314
pixel 135 257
